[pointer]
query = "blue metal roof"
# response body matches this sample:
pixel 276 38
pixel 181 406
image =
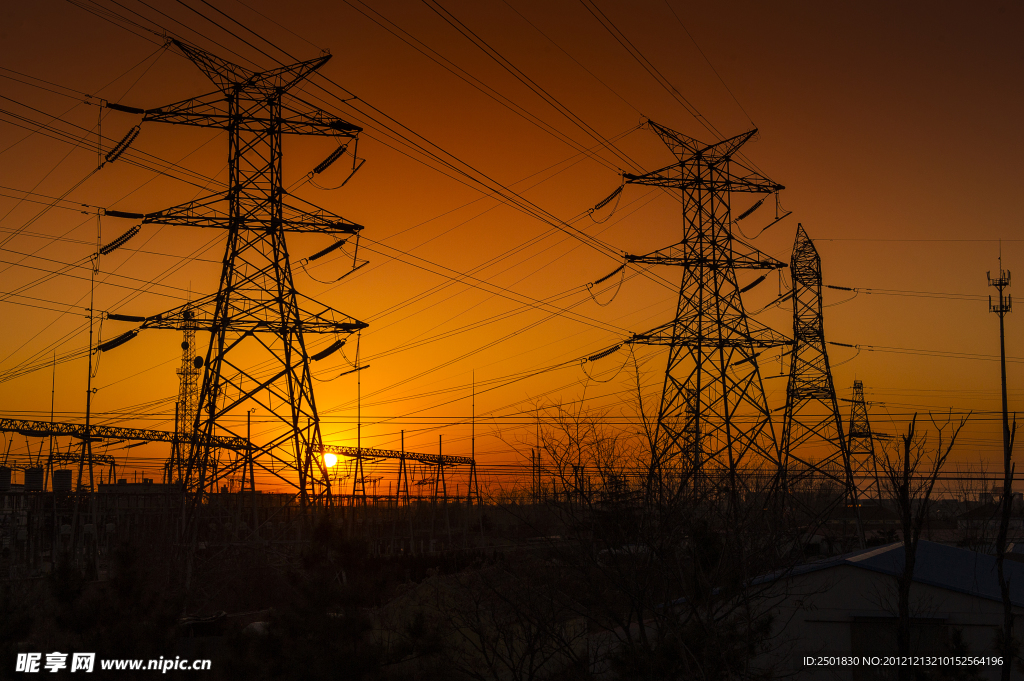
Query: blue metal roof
pixel 939 565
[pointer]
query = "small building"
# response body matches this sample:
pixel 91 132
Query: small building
pixel 846 607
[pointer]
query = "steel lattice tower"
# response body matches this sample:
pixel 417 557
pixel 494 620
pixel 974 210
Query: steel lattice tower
pixel 812 417
pixel 257 355
pixel 187 405
pixel 812 426
pixel 860 439
pixel 713 411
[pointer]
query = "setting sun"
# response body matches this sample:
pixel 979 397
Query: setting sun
pixel 330 460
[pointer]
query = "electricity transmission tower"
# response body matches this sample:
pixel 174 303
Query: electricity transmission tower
pixel 713 412
pixel 860 439
pixel 812 409
pixel 812 422
pixel 258 322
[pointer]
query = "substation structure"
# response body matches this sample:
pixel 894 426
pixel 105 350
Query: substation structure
pixel 46 515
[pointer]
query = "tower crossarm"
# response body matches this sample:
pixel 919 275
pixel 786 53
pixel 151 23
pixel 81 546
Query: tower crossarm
pixel 211 111
pixel 694 159
pixel 751 182
pixel 228 76
pixel 213 211
pixel 223 73
pixel 78 430
pixel 683 146
pixel 368 452
pixel 255 316
pixel 679 255
pixel 667 334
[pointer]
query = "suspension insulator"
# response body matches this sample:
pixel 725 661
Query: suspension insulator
pixel 750 210
pixel 752 358
pixel 328 351
pixel 124 317
pixel 124 214
pixel 119 241
pixel 605 353
pixel 120 340
pixel 608 200
pixel 753 283
pixel 125 109
pixel 123 145
pixel 326 163
pixel 609 275
pixel 342 126
pixel 333 247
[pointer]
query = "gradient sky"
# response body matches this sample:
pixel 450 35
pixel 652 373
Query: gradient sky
pixel 894 127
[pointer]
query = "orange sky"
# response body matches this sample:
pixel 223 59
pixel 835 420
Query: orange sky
pixel 894 128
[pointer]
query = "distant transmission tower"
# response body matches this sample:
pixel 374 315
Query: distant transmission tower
pixel 257 355
pixel 812 423
pixel 713 412
pixel 860 439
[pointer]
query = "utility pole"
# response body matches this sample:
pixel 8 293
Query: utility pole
pixel 1001 308
pixel 93 271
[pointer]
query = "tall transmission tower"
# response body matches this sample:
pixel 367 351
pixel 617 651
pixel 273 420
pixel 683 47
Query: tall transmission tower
pixel 812 429
pixel 812 421
pixel 713 412
pixel 257 356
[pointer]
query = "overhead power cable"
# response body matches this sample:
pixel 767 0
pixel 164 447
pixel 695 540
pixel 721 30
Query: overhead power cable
pixel 712 66
pixel 577 236
pixel 650 68
pixel 526 80
pixel 912 294
pixel 926 353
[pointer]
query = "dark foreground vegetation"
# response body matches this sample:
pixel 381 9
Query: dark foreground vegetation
pixel 619 566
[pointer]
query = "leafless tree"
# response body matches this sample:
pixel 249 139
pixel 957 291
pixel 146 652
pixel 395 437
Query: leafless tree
pixel 663 568
pixel 910 470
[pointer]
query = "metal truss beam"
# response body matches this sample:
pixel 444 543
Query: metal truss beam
pixel 78 430
pixel 370 453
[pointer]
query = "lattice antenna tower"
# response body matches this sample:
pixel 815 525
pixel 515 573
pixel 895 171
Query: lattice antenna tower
pixel 257 356
pixel 186 408
pixel 812 442
pixel 713 413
